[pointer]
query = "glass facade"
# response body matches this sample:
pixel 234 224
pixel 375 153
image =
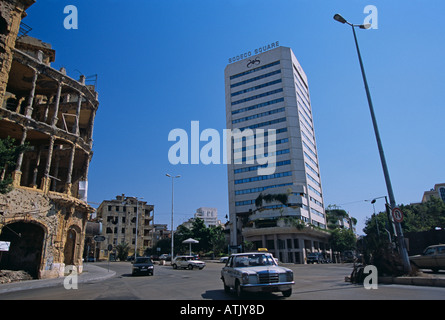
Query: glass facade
pixel 273 94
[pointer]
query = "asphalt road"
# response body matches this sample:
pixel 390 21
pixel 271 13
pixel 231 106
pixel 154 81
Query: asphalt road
pixel 312 282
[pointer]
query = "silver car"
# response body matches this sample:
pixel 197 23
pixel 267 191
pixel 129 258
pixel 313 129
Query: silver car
pixel 432 258
pixel 188 262
pixel 256 272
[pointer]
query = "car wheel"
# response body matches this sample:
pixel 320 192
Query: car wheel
pixel 238 289
pixel 175 266
pixel 190 267
pixel 287 293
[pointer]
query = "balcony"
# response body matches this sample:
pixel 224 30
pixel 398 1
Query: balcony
pixel 282 225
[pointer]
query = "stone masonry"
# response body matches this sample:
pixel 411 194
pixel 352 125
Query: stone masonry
pixel 44 216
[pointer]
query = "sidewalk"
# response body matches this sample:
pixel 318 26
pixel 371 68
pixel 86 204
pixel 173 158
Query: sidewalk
pixel 90 273
pixel 429 280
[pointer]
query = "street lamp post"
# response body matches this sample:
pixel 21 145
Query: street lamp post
pixel 402 247
pixel 173 177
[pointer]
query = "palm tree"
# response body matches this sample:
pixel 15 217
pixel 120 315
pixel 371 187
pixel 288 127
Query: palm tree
pixel 122 251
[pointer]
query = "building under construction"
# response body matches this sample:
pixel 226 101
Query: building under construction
pixel 43 219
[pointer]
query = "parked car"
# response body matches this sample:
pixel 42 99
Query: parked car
pixel 223 259
pixel 142 265
pixel 315 257
pixel 350 256
pixel 256 272
pixel 188 262
pixel 433 257
pixel 154 257
pixel 164 256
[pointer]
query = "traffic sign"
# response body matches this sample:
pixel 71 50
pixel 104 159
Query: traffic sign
pixel 397 214
pixel 99 238
pixel 4 245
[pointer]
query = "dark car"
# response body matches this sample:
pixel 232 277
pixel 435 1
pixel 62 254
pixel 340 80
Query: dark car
pixel 315 257
pixel 432 258
pixel 142 265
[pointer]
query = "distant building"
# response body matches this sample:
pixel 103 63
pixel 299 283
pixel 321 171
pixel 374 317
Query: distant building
pixel 438 192
pixel 160 233
pixel 119 217
pixel 209 215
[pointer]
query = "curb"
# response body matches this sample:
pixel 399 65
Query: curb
pixel 88 275
pixel 413 281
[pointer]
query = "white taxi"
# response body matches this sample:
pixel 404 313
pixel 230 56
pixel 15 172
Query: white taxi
pixel 256 272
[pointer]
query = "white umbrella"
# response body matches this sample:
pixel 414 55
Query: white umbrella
pixel 190 241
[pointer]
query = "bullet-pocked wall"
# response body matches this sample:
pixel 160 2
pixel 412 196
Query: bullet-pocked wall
pixel 54 115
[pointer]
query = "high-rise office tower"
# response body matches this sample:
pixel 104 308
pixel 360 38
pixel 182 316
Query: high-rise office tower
pixel 264 92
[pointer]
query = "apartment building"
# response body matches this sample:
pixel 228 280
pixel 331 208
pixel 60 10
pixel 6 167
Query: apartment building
pixel 125 220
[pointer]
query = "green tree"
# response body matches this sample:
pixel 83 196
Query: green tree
pixel 198 231
pixel 210 238
pixel 122 250
pixel 416 217
pixel 218 239
pixel 342 239
pixel 424 216
pixel 376 230
pixel 9 153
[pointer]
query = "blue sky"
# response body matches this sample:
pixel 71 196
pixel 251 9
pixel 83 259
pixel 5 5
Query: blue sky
pixel 160 65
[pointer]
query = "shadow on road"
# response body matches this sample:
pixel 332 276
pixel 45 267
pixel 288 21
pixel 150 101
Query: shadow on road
pixel 221 295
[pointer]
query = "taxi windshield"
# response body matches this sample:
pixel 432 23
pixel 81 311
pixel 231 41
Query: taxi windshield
pixel 253 260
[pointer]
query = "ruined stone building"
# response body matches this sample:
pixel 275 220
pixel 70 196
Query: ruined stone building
pixel 44 216
pixel 126 220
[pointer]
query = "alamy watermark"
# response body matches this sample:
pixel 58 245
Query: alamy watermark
pixel 253 152
pixel 71 21
pixel 371 19
pixel 70 281
pixel 371 280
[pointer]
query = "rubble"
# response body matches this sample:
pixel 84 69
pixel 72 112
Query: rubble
pixel 8 276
